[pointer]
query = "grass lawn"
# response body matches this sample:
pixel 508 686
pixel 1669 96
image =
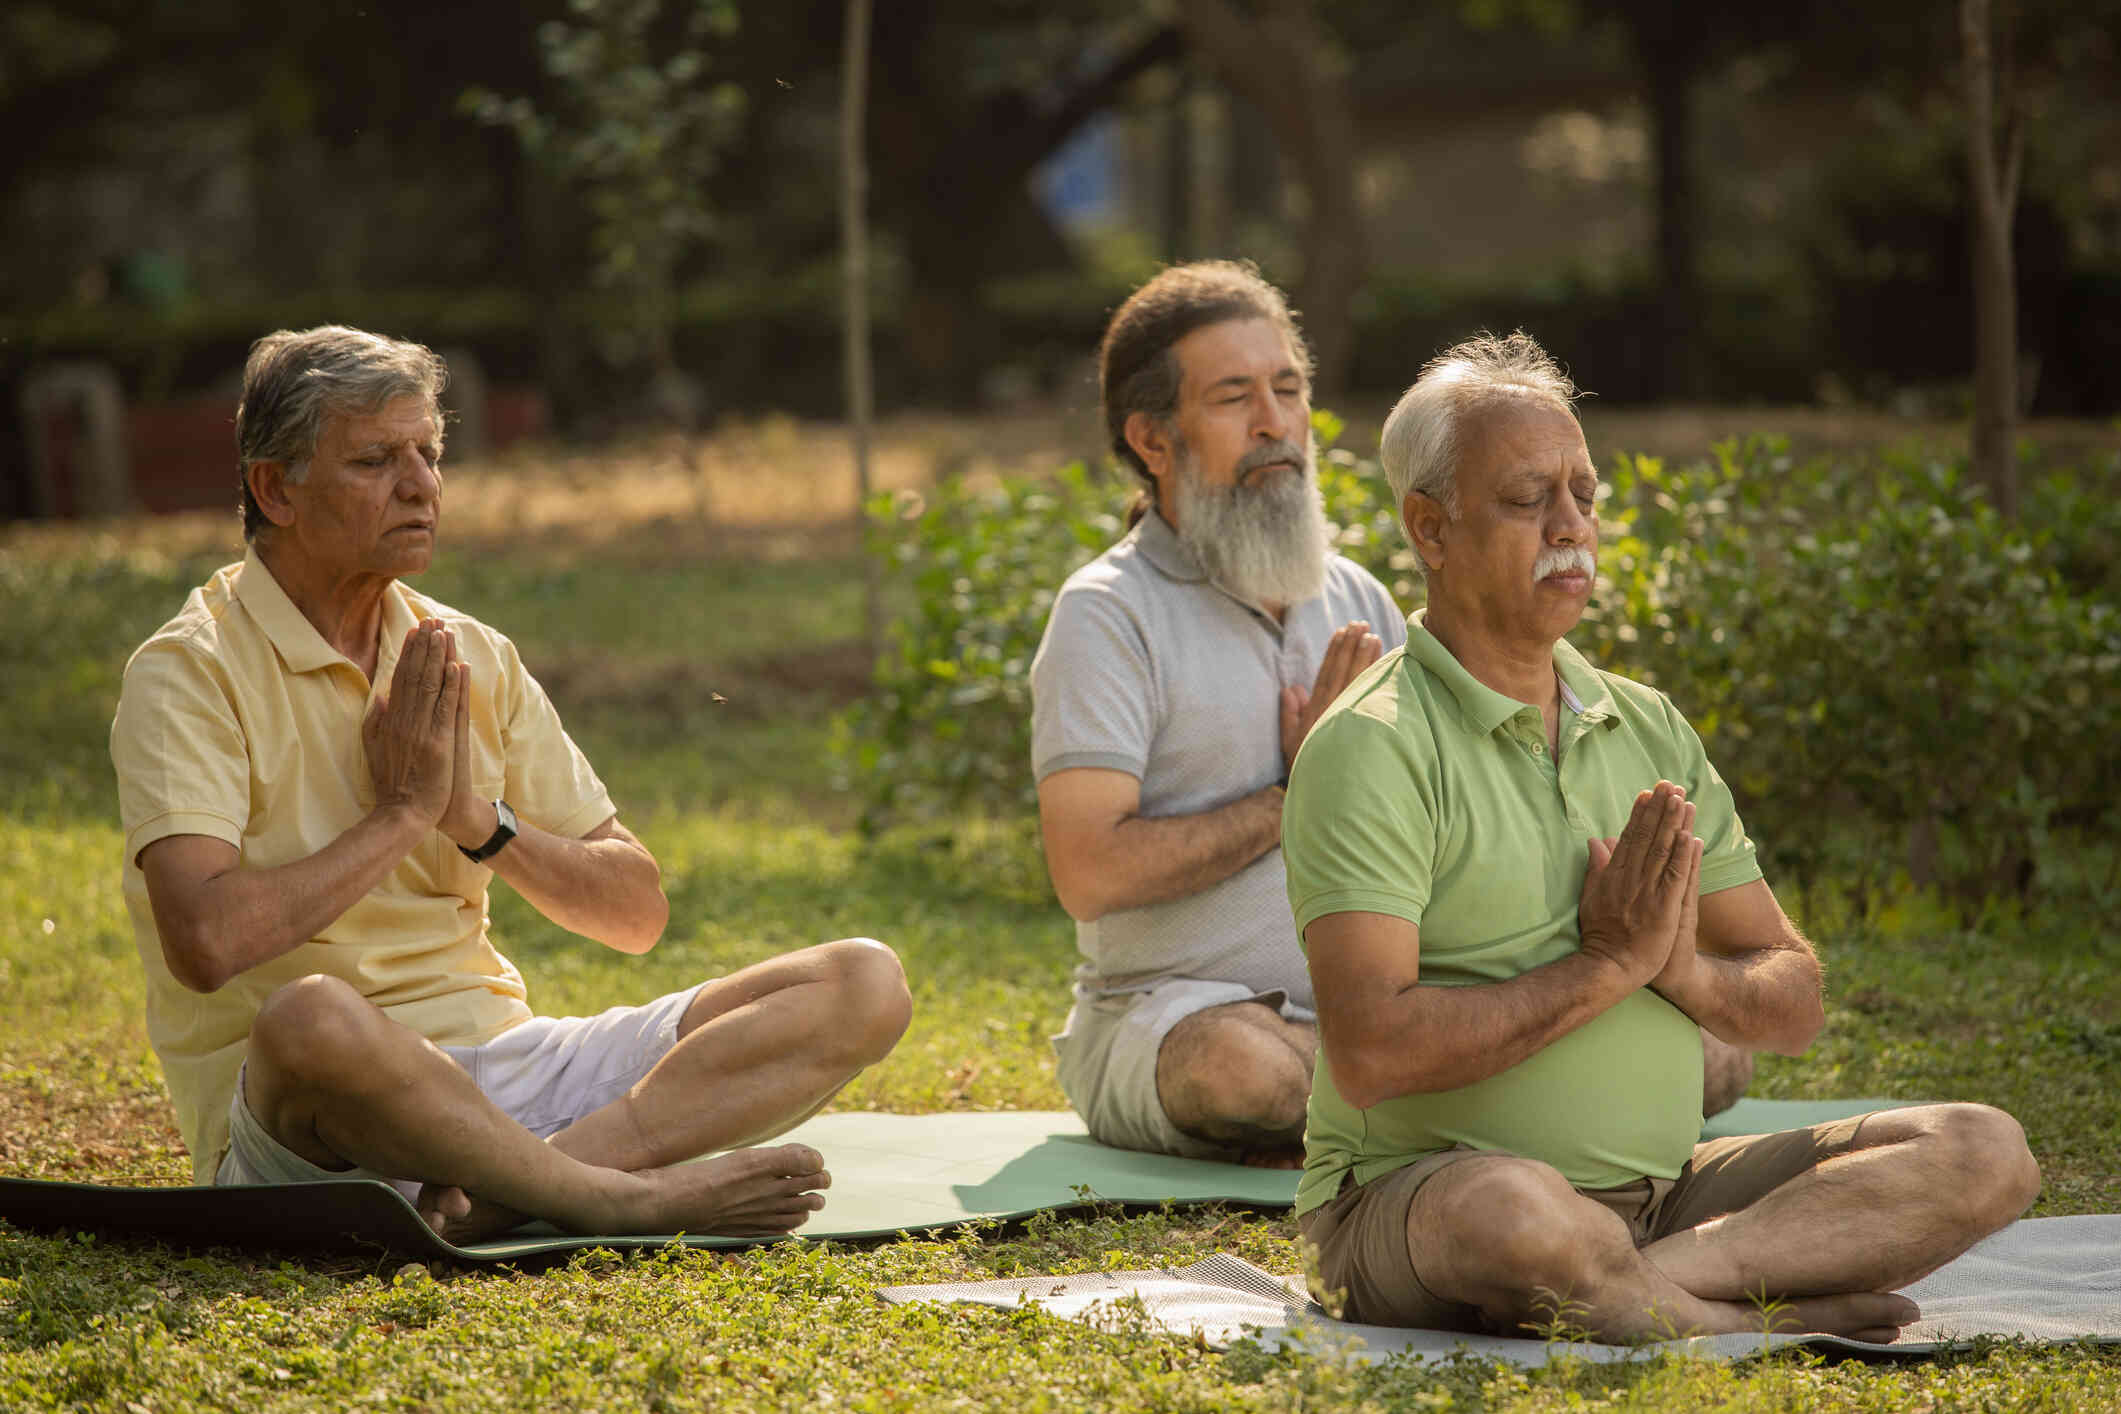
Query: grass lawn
pixel 635 628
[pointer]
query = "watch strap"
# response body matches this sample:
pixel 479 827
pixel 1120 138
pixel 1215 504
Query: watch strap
pixel 504 830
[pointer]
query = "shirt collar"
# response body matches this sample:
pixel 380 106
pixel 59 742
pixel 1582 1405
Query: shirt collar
pixel 296 639
pixel 1483 708
pixel 1155 538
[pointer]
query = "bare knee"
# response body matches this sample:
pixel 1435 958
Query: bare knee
pixel 1991 1175
pixel 874 1006
pixel 1236 1078
pixel 314 1030
pixel 1511 1237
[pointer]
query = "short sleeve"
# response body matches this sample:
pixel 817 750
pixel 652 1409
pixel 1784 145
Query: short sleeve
pixel 549 781
pixel 1728 857
pixel 178 748
pixel 1358 830
pixel 1093 687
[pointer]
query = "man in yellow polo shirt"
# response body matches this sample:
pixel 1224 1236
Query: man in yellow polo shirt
pixel 319 772
pixel 1524 893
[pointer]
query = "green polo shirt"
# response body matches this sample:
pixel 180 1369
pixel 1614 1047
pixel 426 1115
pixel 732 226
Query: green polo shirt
pixel 1424 795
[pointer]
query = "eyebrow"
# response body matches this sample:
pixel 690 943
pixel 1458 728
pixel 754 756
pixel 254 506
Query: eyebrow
pixel 1247 379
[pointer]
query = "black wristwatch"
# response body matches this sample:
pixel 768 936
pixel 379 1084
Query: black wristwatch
pixel 504 830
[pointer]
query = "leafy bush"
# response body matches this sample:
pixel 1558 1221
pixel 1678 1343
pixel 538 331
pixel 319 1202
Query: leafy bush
pixel 1888 674
pixel 1886 671
pixel 947 727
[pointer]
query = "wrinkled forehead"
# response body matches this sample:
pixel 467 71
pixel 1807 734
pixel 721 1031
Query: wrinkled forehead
pixel 1515 432
pixel 1232 351
pixel 408 418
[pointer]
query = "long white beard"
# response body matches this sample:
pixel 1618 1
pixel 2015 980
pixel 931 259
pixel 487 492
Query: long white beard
pixel 1265 543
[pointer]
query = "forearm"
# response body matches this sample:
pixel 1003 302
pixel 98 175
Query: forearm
pixel 1144 859
pixel 605 885
pixel 240 918
pixel 1427 1038
pixel 1763 1000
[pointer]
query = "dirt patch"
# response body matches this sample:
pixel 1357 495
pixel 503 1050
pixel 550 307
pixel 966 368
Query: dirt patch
pixel 53 1129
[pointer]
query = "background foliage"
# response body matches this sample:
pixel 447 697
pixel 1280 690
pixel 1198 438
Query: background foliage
pixel 1890 676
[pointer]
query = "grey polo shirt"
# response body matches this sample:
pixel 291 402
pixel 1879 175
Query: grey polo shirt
pixel 1149 668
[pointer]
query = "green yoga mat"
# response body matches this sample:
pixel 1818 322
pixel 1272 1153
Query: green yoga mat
pixel 890 1174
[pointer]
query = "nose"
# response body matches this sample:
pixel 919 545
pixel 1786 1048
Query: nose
pixel 422 480
pixel 1270 420
pixel 1573 525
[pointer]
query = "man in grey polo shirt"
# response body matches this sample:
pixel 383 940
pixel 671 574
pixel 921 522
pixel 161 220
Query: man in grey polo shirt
pixel 1180 671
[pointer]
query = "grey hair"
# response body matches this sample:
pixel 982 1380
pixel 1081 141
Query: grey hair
pixel 294 379
pixel 1422 439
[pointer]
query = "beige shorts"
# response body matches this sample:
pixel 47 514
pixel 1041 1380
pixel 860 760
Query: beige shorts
pixel 544 1074
pixel 1106 1060
pixel 1357 1243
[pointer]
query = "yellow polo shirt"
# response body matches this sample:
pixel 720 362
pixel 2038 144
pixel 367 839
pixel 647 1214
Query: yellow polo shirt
pixel 239 721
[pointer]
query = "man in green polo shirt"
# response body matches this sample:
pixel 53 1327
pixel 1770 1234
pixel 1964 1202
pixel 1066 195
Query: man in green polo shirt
pixel 1524 893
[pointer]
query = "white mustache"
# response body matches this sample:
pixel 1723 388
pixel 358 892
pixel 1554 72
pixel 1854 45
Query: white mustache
pixel 1559 559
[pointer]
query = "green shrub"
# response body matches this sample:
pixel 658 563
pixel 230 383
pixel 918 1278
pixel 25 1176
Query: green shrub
pixel 947 727
pixel 1886 671
pixel 1889 675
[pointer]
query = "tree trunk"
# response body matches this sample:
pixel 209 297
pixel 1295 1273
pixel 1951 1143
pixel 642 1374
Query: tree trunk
pixel 1669 62
pixel 854 252
pixel 1277 59
pixel 1994 202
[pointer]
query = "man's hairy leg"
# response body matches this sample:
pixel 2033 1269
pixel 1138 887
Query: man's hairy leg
pixel 1927 1184
pixel 1239 1075
pixel 338 1082
pixel 758 1052
pixel 1512 1238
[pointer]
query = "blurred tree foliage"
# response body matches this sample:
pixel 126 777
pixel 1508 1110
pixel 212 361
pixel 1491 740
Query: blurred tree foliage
pixel 185 174
pixel 636 127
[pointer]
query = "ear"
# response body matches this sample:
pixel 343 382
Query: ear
pixel 1151 443
pixel 1425 522
pixel 268 487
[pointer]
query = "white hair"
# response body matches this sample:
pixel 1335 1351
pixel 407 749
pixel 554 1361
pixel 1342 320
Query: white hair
pixel 1422 439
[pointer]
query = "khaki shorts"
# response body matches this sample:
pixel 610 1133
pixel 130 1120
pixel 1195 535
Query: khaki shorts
pixel 1360 1236
pixel 1105 1058
pixel 544 1074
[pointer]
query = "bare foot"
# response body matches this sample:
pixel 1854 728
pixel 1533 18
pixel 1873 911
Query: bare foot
pixel 459 1217
pixel 1874 1316
pixel 744 1193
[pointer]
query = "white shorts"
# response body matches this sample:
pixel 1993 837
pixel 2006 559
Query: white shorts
pixel 544 1074
pixel 1106 1060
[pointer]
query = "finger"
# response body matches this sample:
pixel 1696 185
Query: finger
pixel 431 668
pixel 1672 840
pixel 1332 664
pixel 1601 856
pixel 1665 861
pixel 412 655
pixel 463 718
pixel 1630 847
pixel 1368 650
pixel 447 703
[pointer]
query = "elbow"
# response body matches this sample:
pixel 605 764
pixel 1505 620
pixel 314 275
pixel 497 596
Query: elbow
pixel 1803 1030
pixel 1078 903
pixel 192 962
pixel 644 931
pixel 1077 890
pixel 1360 1081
